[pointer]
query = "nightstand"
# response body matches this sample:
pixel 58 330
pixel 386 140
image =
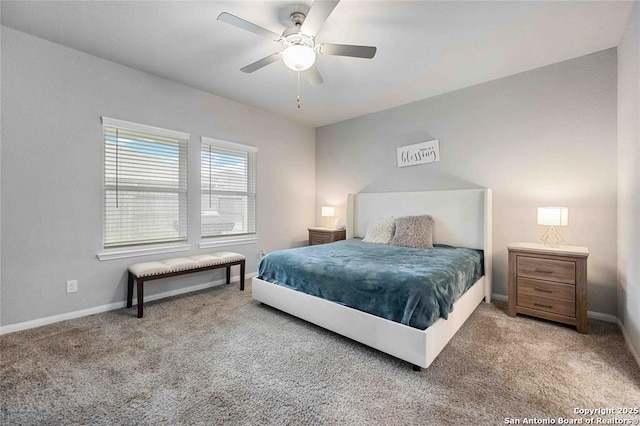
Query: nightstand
pixel 325 235
pixel 548 282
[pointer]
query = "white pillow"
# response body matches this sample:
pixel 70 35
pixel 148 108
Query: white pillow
pixel 380 230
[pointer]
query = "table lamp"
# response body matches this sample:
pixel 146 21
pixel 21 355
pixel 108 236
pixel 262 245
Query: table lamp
pixel 552 217
pixel 327 212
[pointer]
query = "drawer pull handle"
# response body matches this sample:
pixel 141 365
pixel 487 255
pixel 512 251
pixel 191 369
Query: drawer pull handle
pixel 543 271
pixel 543 306
pixel 543 290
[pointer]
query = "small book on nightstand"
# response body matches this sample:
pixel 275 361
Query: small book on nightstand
pixel 549 282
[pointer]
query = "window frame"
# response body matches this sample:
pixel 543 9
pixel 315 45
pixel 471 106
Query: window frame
pixel 123 248
pixel 252 180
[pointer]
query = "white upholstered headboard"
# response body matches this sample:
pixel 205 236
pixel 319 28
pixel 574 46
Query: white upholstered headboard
pixel 463 217
pixel 458 214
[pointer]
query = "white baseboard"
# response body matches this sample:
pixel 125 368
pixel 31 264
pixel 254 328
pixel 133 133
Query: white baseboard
pixel 499 297
pixel 602 317
pixel 627 340
pixel 590 314
pixel 12 328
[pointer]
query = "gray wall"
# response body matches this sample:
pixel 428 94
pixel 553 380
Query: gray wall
pixel 543 137
pixel 629 178
pixel 52 101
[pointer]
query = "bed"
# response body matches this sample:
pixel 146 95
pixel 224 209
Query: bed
pixel 462 220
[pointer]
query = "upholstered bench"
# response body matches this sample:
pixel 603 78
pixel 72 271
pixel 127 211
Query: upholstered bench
pixel 147 271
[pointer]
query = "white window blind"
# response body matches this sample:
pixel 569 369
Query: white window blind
pixel 145 184
pixel 228 175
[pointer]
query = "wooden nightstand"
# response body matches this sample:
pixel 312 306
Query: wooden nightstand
pixel 325 235
pixel 549 283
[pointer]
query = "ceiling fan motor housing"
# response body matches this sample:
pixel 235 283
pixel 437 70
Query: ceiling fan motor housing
pixel 297 18
pixel 292 36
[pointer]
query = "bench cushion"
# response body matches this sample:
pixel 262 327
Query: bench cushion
pixel 176 264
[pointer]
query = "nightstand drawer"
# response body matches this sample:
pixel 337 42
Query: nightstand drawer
pixel 319 238
pixel 546 289
pixel 561 271
pixel 547 304
pixel 325 235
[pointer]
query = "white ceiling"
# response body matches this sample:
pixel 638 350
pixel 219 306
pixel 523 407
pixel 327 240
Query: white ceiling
pixel 425 48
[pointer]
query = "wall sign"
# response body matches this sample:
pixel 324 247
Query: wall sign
pixel 419 153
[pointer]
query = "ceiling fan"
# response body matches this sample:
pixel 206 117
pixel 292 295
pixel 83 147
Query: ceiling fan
pixel 300 47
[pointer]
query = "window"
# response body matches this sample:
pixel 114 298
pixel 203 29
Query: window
pixel 228 182
pixel 145 184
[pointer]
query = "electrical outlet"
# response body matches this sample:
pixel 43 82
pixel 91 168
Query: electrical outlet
pixel 72 286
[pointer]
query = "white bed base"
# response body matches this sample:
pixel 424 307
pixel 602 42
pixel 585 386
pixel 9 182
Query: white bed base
pixel 457 214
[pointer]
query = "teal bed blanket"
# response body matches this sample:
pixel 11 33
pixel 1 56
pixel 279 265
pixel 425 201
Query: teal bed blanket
pixel 411 286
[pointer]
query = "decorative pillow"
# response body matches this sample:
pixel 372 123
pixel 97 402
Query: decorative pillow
pixel 380 230
pixel 414 231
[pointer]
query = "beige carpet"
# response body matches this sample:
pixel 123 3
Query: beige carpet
pixel 217 357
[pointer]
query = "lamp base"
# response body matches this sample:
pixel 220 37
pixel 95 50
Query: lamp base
pixel 552 238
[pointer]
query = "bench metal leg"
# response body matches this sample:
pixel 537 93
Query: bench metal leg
pixel 140 297
pixel 228 274
pixel 130 291
pixel 242 275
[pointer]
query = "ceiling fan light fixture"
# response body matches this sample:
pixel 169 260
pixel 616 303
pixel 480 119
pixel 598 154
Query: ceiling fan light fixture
pixel 299 57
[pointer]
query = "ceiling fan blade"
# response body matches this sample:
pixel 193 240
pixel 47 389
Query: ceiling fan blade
pixel 367 52
pixel 313 75
pixel 261 63
pixel 246 25
pixel 319 12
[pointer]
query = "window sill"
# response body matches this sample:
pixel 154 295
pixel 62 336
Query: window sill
pixel 228 242
pixel 134 252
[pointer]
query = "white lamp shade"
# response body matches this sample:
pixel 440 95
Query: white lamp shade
pixel 328 211
pixel 299 57
pixel 553 216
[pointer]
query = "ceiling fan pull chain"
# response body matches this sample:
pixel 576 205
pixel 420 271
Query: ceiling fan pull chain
pixel 298 98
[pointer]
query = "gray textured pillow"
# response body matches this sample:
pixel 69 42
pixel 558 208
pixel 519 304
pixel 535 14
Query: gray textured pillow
pixel 380 230
pixel 414 231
